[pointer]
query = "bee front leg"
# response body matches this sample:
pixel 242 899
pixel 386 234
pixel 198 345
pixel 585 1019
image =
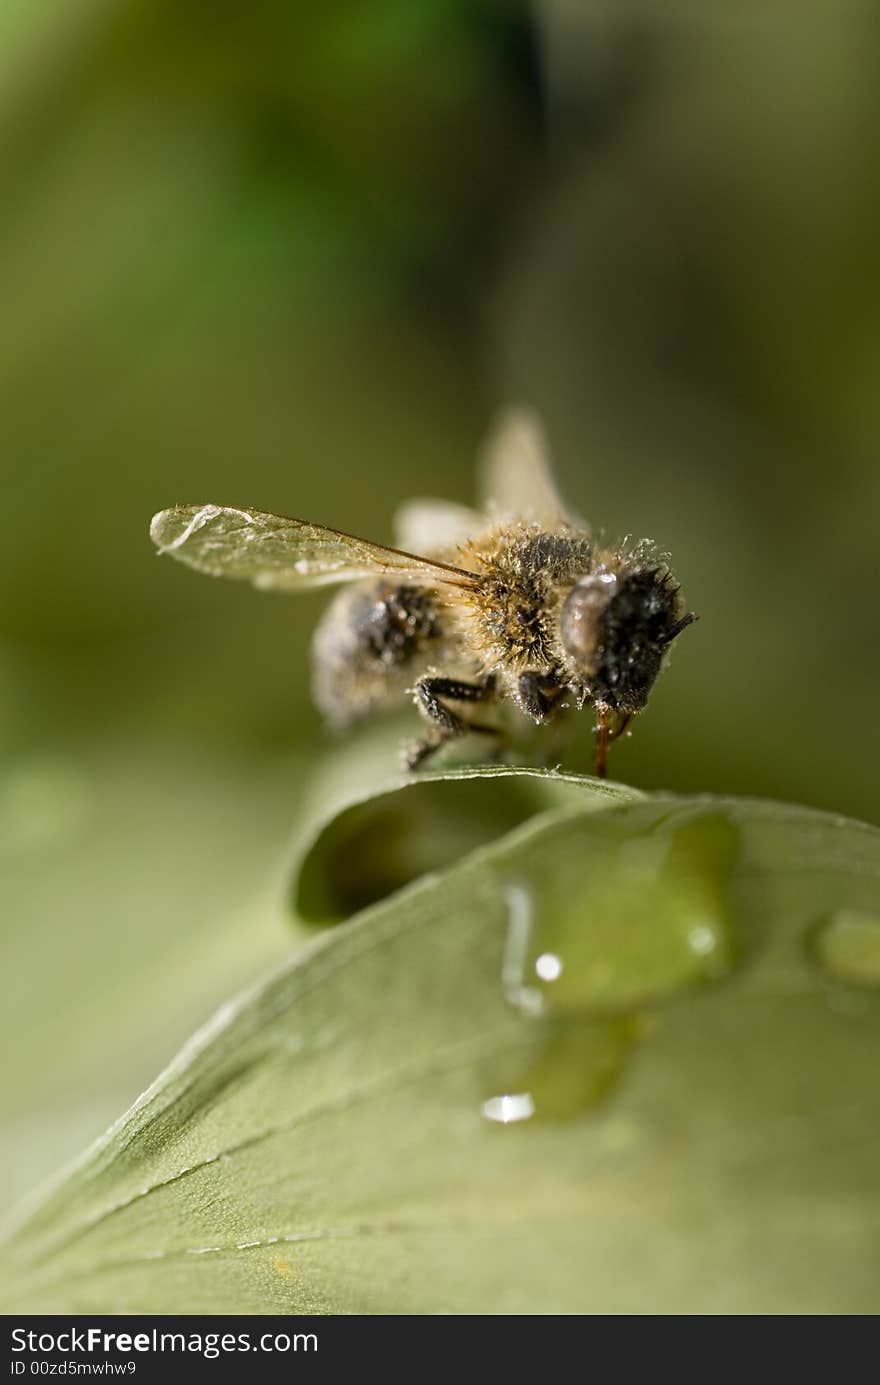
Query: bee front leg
pixel 431 695
pixel 538 695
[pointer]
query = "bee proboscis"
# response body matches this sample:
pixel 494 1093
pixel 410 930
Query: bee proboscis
pixel 514 606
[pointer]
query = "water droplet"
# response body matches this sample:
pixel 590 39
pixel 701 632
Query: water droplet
pixel 702 939
pixel 847 946
pixel 520 923
pixel 509 1108
pixel 578 1065
pixel 548 966
pixel 629 906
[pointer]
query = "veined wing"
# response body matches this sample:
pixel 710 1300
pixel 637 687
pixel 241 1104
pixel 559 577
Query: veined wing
pixel 276 553
pixel 517 479
pixel 432 526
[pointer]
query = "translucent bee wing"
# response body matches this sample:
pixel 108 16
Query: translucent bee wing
pixel 276 553
pixel 516 476
pixel 435 526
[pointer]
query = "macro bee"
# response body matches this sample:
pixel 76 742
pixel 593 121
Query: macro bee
pixel 473 614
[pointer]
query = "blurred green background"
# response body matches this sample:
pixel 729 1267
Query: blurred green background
pixel 296 256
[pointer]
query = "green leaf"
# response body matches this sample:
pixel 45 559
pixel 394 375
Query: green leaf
pixel 605 1063
pixel 137 894
pixel 365 842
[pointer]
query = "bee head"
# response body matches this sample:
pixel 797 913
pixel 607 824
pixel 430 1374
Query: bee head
pixel 616 627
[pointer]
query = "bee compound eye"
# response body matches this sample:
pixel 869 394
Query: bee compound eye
pixel 581 616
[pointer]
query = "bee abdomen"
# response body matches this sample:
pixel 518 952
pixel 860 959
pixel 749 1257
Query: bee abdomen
pixel 370 643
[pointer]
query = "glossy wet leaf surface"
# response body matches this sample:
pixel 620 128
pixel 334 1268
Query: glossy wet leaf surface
pixel 385 1125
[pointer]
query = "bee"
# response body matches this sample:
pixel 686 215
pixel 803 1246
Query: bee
pixel 515 607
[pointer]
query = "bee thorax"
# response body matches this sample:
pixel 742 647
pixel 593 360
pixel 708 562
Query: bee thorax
pixel 512 614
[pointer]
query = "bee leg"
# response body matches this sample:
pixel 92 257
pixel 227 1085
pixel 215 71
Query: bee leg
pixel 535 699
pixel 432 693
pixel 416 754
pixel 539 697
pixel 446 725
pixel 555 742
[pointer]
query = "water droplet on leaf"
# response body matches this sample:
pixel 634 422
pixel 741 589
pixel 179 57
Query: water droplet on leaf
pixel 548 966
pixel 580 1062
pixel 847 947
pixel 628 907
pixel 509 1108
